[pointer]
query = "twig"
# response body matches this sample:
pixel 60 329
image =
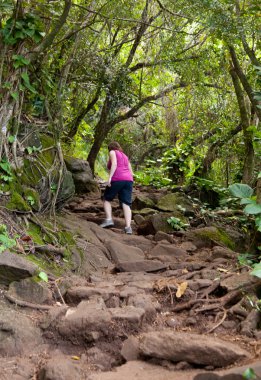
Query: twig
pixel 171 296
pixel 57 287
pixel 219 323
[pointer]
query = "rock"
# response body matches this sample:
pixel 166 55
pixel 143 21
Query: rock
pixel 192 348
pixel 18 335
pixel 60 368
pixel 214 376
pixel 145 302
pixel 221 252
pixel 100 359
pixel 82 175
pixel 209 274
pixel 209 236
pixel 160 235
pixel 138 219
pixel 146 228
pixel 93 257
pixel 130 315
pixel 141 266
pixel 159 222
pixel 130 349
pixel 199 284
pixel 123 253
pixel 240 280
pixel 89 321
pixel 15 268
pixel 145 211
pixel 177 203
pixel 169 253
pixel 140 202
pixel 188 246
pixel 31 291
pixel 66 190
pixel 77 294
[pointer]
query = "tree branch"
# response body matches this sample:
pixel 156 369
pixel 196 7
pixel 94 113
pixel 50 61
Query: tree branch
pixel 143 101
pixel 48 40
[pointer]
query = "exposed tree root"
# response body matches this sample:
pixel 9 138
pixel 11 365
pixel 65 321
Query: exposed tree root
pixel 219 323
pixel 27 304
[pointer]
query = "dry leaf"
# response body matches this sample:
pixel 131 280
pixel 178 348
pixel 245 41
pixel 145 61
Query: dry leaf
pixel 181 289
pixel 75 357
pixel 223 270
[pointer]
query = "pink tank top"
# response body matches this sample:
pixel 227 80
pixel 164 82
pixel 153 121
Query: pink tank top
pixel 122 172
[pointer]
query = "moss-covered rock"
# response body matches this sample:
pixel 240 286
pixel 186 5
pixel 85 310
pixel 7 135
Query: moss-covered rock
pixel 32 197
pixel 82 175
pixel 177 203
pixel 17 203
pixel 140 202
pixel 209 236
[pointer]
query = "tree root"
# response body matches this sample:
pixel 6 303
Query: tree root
pixel 250 323
pixel 232 296
pixel 219 323
pixel 27 304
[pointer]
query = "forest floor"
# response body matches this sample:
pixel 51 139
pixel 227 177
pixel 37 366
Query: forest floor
pixel 141 307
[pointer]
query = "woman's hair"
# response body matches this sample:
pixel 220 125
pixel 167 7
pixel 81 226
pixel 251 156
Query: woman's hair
pixel 114 146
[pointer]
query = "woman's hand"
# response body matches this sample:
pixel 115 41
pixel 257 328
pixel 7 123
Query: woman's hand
pixel 108 184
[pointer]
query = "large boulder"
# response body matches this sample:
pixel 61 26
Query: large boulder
pixel 14 268
pixel 192 348
pixel 82 175
pixel 17 333
pixel 178 203
pixel 31 291
pixel 210 236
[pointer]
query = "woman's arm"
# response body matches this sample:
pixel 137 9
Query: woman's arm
pixel 130 168
pixel 113 159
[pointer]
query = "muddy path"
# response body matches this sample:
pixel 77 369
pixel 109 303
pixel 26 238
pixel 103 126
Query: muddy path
pixel 153 306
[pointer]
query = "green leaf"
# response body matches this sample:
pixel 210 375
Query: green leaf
pixel 253 209
pixel 247 201
pixel 249 374
pixel 259 175
pixel 25 77
pixel 11 139
pixel 15 95
pixel 241 190
pixel 43 276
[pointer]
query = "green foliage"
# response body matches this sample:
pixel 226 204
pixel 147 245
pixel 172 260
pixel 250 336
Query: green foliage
pixel 256 270
pixel 152 175
pixel 6 174
pixel 5 241
pixel 245 192
pixel 241 190
pixel 177 224
pixel 249 374
pixel 28 27
pixel 17 202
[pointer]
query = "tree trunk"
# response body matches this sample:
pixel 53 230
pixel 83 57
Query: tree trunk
pixel 211 153
pixel 245 83
pixel 249 162
pixel 101 132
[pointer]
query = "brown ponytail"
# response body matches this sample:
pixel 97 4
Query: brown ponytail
pixel 114 146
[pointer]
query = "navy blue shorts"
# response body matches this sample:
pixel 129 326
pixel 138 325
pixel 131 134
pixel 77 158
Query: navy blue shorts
pixel 121 188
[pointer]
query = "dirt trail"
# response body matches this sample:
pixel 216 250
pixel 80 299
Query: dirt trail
pixel 160 304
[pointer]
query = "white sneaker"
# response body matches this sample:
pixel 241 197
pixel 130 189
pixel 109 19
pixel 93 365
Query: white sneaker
pixel 107 223
pixel 128 230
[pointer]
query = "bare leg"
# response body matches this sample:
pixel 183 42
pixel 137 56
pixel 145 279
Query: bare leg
pixel 108 209
pixel 127 214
